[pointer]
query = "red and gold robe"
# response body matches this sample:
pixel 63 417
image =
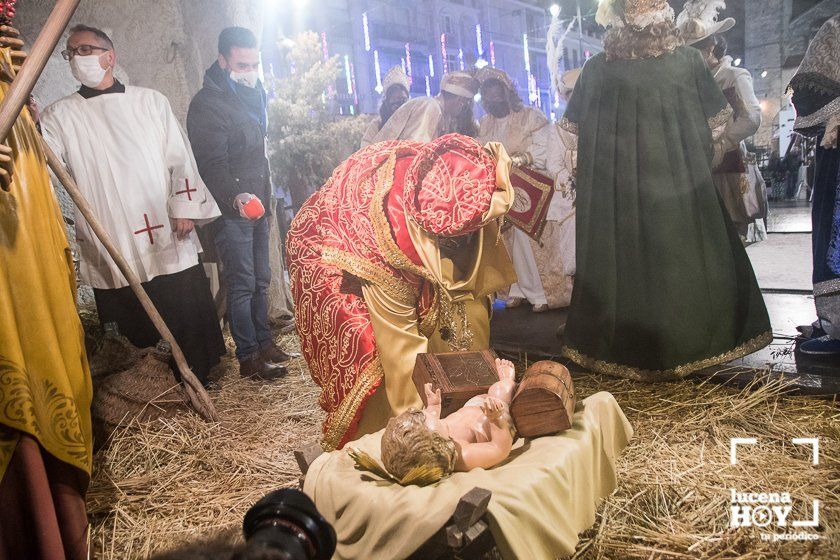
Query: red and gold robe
pixel 372 286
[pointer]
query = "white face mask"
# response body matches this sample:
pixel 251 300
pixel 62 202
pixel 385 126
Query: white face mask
pixel 248 79
pixel 87 69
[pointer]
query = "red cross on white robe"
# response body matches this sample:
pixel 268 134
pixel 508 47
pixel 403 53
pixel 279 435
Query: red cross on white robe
pixel 148 229
pixel 187 190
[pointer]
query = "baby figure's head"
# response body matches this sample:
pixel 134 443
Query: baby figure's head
pixel 409 444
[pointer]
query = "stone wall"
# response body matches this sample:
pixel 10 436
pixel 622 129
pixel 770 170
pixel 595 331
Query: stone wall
pixel 161 44
pixel 775 43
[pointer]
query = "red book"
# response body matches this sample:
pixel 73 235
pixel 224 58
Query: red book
pixel 533 192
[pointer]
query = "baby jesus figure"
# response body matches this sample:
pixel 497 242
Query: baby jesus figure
pixel 420 447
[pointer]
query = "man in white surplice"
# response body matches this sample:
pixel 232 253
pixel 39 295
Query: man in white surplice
pixel 133 162
pixel 544 270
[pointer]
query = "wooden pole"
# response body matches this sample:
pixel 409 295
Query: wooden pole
pixel 18 93
pixel 199 398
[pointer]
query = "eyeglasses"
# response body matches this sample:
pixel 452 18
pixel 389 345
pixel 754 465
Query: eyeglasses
pixel 81 50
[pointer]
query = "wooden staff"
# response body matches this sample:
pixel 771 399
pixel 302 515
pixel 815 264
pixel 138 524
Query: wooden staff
pixel 195 390
pixel 18 93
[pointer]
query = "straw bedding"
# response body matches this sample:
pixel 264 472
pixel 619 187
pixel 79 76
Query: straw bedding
pixel 160 485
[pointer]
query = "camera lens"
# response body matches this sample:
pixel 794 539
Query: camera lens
pixel 287 520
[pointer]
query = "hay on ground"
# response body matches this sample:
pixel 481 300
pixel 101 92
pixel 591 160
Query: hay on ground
pixel 160 485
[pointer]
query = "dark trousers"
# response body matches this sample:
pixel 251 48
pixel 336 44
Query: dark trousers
pixel 242 246
pixel 186 305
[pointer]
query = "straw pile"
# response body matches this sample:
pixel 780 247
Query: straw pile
pixel 177 480
pixel 675 478
pixel 158 486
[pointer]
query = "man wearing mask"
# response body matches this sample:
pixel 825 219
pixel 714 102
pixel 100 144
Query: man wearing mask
pixel 396 85
pixel 226 124
pixel 132 161
pixel 426 118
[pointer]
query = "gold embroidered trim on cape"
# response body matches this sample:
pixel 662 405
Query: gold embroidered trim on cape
pixel 454 326
pixel 827 288
pixel 430 321
pixel 568 126
pixel 339 422
pixel 721 118
pixel 368 271
pixel 618 370
pixel 382 230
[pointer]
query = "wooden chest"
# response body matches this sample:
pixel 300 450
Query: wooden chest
pixel 544 402
pixel 459 375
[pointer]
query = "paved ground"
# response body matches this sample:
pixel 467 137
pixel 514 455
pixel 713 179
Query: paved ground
pixel 783 262
pixel 783 268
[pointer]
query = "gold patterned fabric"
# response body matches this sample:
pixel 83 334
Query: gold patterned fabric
pixel 372 288
pixel 45 387
pixel 639 374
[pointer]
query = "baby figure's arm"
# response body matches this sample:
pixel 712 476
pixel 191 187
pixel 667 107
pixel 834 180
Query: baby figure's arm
pixel 433 401
pixel 490 453
pixel 503 388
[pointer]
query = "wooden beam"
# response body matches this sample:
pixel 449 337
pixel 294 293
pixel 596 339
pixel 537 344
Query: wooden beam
pixel 307 455
pixel 471 507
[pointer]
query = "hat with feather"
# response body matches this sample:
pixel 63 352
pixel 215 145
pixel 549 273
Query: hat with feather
pixel 699 19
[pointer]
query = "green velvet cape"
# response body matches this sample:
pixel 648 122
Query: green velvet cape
pixel 663 286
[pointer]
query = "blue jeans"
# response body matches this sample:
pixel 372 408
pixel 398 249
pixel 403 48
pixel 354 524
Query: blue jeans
pixel 243 251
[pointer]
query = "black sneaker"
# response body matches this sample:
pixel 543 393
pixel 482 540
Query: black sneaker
pixel 821 346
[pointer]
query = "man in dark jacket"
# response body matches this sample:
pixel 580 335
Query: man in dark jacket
pixel 226 124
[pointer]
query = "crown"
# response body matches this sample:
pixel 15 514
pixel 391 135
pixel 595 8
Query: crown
pixel 638 8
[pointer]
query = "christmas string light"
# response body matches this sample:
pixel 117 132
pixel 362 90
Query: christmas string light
pixel 431 66
pixel 366 31
pixel 443 53
pixel 324 45
pixel 492 55
pixel 532 88
pixel 478 42
pixel 428 87
pixel 353 83
pixel 377 70
pixel 461 59
pixel 347 77
pixel 408 62
pixel 527 54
